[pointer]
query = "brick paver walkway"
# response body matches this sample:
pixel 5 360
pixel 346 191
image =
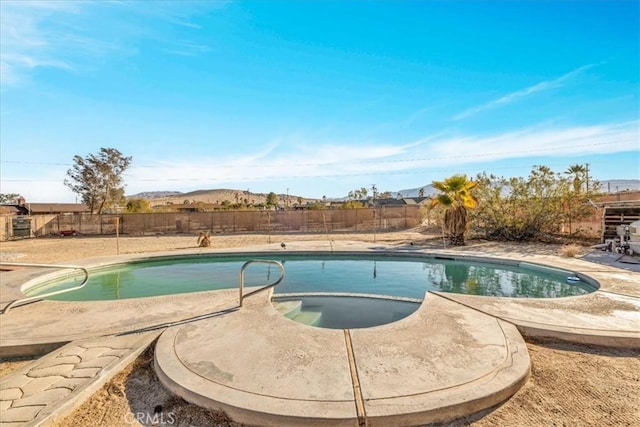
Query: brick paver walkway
pixel 53 384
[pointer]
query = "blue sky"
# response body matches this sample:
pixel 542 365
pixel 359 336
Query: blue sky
pixel 317 98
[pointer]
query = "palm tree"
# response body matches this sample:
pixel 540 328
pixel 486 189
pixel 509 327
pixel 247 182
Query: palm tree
pixel 456 198
pixel 579 173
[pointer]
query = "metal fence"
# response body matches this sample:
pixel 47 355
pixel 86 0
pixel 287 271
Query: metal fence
pixel 287 221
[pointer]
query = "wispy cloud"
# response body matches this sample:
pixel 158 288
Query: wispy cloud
pixel 187 48
pixel 540 141
pixel 515 96
pixel 73 35
pixel 343 164
pixel 39 35
pixel 332 160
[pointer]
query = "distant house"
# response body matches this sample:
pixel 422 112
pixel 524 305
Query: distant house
pixel 406 201
pixel 187 208
pixel 20 208
pixel 14 210
pixel 57 208
pixel 43 208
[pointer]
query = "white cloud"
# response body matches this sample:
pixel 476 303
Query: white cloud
pixel 71 35
pixel 514 96
pixel 25 45
pixel 323 160
pixel 339 165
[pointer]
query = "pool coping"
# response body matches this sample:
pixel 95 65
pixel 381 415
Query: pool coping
pixel 612 329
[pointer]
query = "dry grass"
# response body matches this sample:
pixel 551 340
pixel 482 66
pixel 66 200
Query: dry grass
pixel 571 251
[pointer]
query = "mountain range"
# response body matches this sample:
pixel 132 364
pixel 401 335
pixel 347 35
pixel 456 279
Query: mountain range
pixel 220 195
pixel 608 186
pixel 217 196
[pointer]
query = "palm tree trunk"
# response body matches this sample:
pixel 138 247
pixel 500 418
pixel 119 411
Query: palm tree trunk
pixel 455 220
pixel 456 240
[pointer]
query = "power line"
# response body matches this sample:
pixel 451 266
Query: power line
pixel 370 161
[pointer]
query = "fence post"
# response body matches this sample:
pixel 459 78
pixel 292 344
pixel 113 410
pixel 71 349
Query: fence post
pixel 356 220
pixel 374 225
pixel 117 221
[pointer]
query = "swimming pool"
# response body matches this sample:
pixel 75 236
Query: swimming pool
pixel 318 279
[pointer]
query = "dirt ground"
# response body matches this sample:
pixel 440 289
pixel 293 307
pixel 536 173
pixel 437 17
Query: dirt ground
pixel 570 384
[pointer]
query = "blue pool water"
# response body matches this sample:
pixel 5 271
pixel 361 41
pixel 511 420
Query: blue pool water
pixel 396 275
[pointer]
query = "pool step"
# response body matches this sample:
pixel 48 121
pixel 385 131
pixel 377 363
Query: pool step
pixel 293 310
pixel 310 318
pixel 288 308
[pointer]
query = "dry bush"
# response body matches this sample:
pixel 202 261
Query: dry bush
pixel 570 251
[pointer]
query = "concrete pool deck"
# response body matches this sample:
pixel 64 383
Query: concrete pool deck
pixel 456 355
pixel 440 363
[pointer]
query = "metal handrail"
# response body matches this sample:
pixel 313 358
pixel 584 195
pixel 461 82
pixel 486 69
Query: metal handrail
pixel 26 300
pixel 260 261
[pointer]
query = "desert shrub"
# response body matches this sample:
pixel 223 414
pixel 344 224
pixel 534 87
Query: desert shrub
pixel 570 251
pixel 138 206
pixel 531 208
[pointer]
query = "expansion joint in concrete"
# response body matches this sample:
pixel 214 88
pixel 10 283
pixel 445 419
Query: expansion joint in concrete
pixel 355 381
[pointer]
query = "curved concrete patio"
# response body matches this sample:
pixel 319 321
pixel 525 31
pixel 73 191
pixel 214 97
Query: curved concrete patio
pixel 440 363
pixel 413 371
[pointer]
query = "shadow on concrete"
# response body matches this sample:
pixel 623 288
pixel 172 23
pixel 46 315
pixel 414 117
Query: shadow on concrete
pixel 181 322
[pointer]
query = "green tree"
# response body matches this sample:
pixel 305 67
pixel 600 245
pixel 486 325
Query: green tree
pixel 358 194
pixel 9 198
pixel 138 206
pixel 352 204
pixel 98 179
pixel 272 199
pixel 579 173
pixel 455 197
pixel 317 206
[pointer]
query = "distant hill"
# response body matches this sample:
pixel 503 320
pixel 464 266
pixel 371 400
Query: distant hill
pixel 216 196
pixel 415 192
pixel 243 196
pixel 608 186
pixel 154 194
pixel 618 185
